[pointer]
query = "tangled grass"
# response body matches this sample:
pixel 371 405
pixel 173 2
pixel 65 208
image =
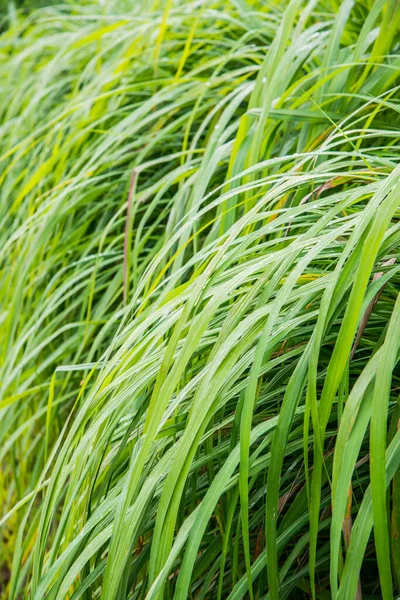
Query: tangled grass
pixel 200 320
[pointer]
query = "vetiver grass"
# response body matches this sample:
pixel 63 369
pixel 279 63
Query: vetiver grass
pixel 200 323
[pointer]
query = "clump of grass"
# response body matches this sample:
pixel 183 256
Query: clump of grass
pixel 199 306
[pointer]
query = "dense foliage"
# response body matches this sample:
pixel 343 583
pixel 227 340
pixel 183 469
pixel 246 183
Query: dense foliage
pixel 199 311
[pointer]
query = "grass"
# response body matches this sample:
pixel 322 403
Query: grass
pixel 200 321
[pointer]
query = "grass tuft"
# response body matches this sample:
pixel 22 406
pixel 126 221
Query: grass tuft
pixel 199 263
